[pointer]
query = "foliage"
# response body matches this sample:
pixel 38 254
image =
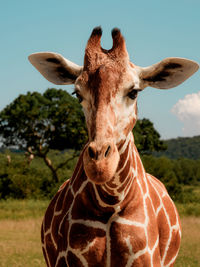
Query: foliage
pixel 147 139
pixel 21 180
pixel 53 120
pixel 37 123
pixel 187 147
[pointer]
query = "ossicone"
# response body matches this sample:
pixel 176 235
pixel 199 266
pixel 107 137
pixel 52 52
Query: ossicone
pixel 94 42
pixel 97 31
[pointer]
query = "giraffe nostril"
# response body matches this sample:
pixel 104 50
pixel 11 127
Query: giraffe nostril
pixel 107 151
pixel 91 153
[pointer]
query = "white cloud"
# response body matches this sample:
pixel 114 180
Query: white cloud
pixel 188 111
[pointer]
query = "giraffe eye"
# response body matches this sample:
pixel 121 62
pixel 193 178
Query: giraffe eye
pixel 133 94
pixel 79 97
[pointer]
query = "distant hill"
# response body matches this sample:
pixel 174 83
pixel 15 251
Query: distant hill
pixel 182 147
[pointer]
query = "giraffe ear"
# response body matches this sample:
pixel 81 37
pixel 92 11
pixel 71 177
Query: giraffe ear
pixel 55 68
pixel 168 73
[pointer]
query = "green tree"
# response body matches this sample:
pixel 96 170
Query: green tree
pixel 39 122
pixel 188 171
pixel 147 139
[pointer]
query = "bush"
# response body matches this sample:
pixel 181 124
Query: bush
pixel 20 180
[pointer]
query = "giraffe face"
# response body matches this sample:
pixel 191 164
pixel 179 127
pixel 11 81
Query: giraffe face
pixel 109 102
pixel 107 87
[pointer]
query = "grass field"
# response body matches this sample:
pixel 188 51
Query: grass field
pixel 20 234
pixel 189 255
pixel 20 243
pixel 20 223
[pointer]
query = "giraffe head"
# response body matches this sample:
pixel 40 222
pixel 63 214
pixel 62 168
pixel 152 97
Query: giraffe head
pixel 107 87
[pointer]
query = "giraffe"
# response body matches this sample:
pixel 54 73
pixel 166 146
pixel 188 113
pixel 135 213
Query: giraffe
pixel 111 212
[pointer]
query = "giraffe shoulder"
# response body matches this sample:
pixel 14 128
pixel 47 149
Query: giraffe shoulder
pixel 159 195
pixel 156 184
pixel 163 204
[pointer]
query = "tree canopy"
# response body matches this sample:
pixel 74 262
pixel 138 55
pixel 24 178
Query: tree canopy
pixel 53 120
pixel 39 122
pixel 147 139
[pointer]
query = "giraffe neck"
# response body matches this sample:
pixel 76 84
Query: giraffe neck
pixel 120 188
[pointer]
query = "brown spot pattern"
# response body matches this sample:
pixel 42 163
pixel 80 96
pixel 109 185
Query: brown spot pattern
pixel 127 238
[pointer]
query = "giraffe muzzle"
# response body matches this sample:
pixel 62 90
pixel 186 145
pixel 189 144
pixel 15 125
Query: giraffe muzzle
pixel 100 162
pixel 96 154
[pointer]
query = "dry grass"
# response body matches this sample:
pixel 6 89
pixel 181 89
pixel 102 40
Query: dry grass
pixel 20 243
pixel 189 255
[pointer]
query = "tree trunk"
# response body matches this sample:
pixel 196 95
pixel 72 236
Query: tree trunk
pixel 50 166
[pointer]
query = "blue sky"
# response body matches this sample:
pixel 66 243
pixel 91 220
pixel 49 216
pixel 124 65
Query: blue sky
pixel 153 30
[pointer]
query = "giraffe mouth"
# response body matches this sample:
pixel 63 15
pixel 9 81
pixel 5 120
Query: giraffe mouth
pixel 101 170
